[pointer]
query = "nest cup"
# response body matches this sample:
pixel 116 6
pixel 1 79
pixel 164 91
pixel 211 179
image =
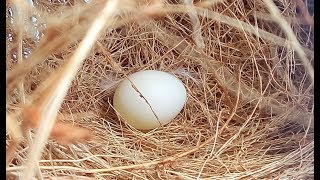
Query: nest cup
pixel 249 110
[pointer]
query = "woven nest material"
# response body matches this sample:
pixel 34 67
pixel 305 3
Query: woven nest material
pixel 247 67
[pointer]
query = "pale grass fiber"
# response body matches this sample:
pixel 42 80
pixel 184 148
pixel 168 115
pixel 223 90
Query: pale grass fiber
pixel 247 67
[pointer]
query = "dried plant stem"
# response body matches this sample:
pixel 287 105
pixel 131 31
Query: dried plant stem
pixel 11 151
pixel 214 144
pixel 218 152
pixel 55 38
pixel 272 167
pixel 226 20
pixel 290 34
pixel 15 76
pixel 161 161
pixel 233 126
pixel 22 91
pixel 110 60
pixel 37 168
pixel 310 123
pixel 21 13
pixel 234 108
pixel 228 80
pixel 290 20
pixel 248 94
pixel 261 172
pixel 208 3
pixel 282 71
pixel 52 102
pixel 22 10
pixel 14 129
pixel 20 59
pixel 197 35
pixel 38 56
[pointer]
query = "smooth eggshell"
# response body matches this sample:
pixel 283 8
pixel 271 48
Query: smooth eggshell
pixel 164 92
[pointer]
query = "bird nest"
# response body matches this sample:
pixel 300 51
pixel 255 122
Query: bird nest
pixel 247 67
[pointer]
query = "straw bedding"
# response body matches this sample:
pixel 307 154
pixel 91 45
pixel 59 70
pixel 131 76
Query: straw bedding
pixel 248 75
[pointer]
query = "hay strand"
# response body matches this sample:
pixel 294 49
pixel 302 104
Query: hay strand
pixel 249 113
pixel 292 38
pixel 52 100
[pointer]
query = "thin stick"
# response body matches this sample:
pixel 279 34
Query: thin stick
pixel 53 101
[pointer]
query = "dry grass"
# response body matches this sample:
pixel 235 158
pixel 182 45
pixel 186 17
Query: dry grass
pixel 249 113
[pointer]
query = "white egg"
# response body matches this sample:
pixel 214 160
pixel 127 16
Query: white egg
pixel 163 97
